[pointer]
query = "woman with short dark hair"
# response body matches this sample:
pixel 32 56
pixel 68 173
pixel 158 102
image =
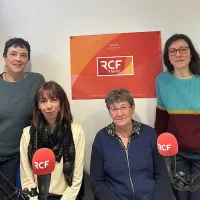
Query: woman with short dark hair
pixel 125 163
pixel 17 90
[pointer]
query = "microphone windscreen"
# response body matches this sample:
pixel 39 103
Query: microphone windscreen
pixel 43 161
pixel 167 144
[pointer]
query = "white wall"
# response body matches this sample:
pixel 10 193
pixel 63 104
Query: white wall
pixel 47 25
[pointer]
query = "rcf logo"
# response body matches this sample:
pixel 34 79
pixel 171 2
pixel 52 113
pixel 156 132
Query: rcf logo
pixel 164 147
pixel 116 65
pixel 41 165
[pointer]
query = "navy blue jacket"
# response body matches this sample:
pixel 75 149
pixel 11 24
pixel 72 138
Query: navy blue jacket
pixel 138 173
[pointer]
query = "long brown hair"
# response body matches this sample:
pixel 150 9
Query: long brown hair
pixel 52 89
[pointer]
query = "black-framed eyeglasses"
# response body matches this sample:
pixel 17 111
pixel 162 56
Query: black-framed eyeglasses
pixel 181 50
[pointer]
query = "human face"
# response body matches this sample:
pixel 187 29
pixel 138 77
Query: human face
pixel 50 107
pixel 16 59
pixel 121 113
pixel 182 58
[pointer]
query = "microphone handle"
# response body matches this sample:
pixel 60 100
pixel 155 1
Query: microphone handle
pixel 42 198
pixel 43 186
pixel 174 164
pixel 168 163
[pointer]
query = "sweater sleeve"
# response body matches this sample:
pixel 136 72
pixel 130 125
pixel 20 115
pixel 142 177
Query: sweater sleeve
pixel 162 116
pixel 72 192
pixel 163 188
pixel 98 181
pixel 26 173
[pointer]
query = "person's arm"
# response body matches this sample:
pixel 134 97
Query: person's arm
pixel 72 192
pixel 97 176
pixel 163 188
pixel 162 116
pixel 26 173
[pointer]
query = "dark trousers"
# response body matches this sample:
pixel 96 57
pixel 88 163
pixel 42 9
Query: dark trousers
pixel 189 163
pixel 59 197
pixel 54 197
pixel 8 167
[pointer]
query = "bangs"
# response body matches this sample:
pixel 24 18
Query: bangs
pixel 47 92
pixel 119 99
pixel 19 45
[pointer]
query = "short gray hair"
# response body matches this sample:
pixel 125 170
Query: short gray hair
pixel 119 95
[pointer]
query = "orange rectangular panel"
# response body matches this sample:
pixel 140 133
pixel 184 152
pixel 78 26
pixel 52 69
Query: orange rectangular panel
pixel 100 63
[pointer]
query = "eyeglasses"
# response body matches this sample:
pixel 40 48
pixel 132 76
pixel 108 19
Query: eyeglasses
pixel 182 50
pixel 123 109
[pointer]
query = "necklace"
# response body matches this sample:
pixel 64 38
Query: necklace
pixel 13 81
pixel 52 127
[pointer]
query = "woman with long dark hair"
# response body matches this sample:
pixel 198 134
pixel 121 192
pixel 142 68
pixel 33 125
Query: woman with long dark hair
pixel 52 128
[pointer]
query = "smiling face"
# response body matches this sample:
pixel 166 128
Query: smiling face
pixel 16 59
pixel 179 54
pixel 121 113
pixel 50 107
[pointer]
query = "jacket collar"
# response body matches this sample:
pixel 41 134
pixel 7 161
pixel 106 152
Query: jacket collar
pixel 136 129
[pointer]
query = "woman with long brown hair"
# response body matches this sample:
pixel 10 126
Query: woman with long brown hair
pixel 52 128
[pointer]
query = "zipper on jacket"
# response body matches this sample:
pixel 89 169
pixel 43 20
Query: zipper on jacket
pixel 129 172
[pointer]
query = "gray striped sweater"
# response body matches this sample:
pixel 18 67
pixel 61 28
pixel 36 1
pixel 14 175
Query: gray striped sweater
pixel 16 102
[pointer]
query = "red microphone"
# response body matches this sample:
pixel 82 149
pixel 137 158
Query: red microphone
pixel 168 147
pixel 43 163
pixel 167 144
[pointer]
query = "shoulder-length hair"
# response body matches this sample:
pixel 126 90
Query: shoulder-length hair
pixel 194 64
pixel 52 89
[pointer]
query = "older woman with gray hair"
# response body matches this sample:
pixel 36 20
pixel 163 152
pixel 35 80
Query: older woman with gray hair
pixel 125 163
